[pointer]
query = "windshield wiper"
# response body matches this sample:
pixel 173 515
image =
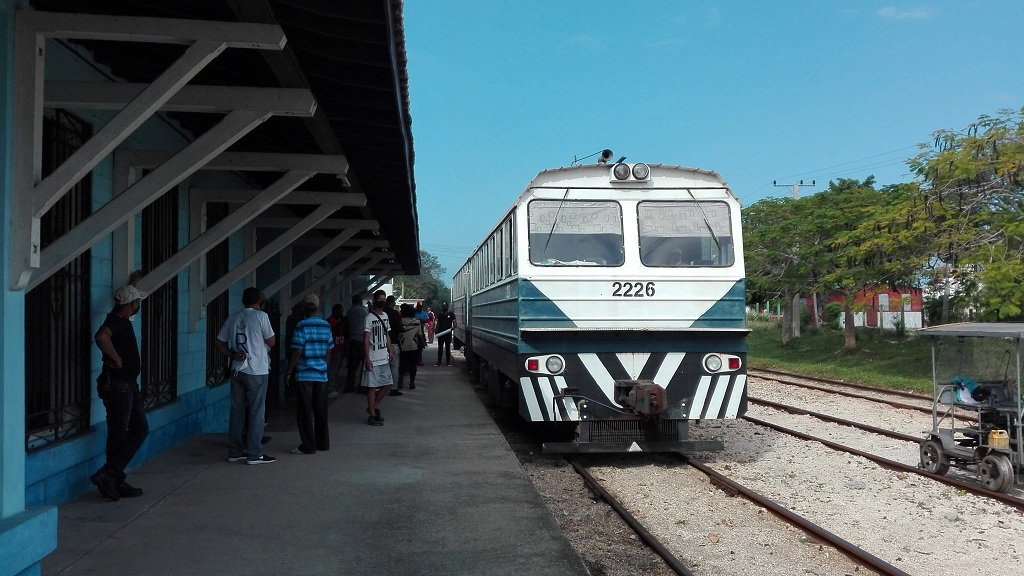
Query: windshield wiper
pixel 707 223
pixel 555 221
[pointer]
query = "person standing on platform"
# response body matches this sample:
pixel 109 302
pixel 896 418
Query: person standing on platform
pixel 377 353
pixel 445 324
pixel 421 315
pixel 127 426
pixel 355 318
pixel 247 337
pixel 395 321
pixel 410 344
pixel 339 327
pixel 311 346
pixel 430 326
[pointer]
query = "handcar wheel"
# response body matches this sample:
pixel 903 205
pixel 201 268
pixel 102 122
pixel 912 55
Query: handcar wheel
pixel 933 459
pixel 995 472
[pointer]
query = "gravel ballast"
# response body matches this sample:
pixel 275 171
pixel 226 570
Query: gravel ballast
pixel 916 524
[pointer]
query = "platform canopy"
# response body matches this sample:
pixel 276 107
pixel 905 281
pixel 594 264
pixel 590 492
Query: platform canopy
pixel 308 101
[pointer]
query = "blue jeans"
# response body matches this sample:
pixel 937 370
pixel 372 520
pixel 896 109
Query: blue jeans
pixel 127 426
pixel 334 369
pixel 396 352
pixel 248 397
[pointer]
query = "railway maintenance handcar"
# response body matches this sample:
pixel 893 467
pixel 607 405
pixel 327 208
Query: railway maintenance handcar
pixel 978 408
pixel 610 298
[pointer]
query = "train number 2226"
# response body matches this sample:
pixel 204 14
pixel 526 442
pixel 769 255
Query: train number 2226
pixel 633 289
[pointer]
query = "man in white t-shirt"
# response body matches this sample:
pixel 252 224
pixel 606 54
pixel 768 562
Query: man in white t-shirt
pixel 247 337
pixel 377 356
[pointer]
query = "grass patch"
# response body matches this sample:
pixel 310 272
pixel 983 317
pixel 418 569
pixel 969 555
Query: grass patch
pixel 880 359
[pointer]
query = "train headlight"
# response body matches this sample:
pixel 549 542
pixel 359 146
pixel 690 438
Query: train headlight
pixel 713 362
pixel 641 171
pixel 621 171
pixel 554 364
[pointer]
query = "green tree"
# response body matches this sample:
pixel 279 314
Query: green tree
pixel 886 247
pixel 771 259
pixel 844 239
pixel 853 259
pixel 428 286
pixel 974 186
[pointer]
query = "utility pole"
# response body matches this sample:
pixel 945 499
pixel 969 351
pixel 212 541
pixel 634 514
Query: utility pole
pixel 796 186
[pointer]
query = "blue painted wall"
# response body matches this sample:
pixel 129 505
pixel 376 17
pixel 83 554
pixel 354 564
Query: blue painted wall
pixel 32 484
pixel 27 535
pixel 58 473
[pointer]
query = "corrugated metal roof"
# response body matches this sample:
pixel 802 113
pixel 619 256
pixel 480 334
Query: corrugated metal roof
pixel 980 329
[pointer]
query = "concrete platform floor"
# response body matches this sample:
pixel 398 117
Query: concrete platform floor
pixel 436 490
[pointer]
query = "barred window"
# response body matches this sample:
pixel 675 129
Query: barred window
pixel 217 309
pixel 57 312
pixel 160 308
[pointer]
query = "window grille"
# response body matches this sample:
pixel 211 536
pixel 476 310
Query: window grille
pixel 57 313
pixel 160 308
pixel 217 309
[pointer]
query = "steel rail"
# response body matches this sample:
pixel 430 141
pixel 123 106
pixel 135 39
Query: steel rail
pixel 922 409
pixel 887 463
pixel 652 542
pixel 834 420
pixel 851 550
pixel 903 393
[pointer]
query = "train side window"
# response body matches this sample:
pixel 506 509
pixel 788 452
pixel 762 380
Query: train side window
pixel 513 250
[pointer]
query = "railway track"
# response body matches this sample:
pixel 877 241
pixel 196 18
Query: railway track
pixel 1017 503
pixel 642 532
pixel 648 489
pixel 834 384
pixel 733 487
pixel 774 374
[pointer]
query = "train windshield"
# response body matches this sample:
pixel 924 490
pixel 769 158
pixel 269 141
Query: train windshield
pixel 677 234
pixel 575 233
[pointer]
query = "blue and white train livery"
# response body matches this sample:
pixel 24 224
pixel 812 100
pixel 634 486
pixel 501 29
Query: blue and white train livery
pixel 612 297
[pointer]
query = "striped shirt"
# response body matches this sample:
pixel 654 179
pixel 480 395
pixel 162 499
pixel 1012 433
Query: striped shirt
pixel 313 337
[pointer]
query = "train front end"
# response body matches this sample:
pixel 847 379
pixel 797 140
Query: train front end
pixel 631 307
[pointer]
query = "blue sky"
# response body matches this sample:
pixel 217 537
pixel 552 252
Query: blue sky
pixel 755 90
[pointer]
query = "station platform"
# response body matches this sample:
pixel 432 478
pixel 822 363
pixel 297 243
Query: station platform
pixel 435 490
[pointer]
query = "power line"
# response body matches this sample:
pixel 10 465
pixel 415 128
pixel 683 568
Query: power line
pixel 823 174
pixel 820 170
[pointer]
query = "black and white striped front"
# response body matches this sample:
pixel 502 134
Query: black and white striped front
pixel 699 394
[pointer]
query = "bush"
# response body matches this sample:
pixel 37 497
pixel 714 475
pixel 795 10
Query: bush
pixel 831 314
pixel 805 316
pixel 900 326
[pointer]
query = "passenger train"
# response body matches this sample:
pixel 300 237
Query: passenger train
pixel 610 298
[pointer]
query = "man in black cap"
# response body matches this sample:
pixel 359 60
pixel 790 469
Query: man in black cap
pixel 445 324
pixel 127 426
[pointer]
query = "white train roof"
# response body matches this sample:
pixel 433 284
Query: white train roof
pixel 599 173
pixel 597 176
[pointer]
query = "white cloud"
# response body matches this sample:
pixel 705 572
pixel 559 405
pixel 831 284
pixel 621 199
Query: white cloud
pixel 893 13
pixel 1002 98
